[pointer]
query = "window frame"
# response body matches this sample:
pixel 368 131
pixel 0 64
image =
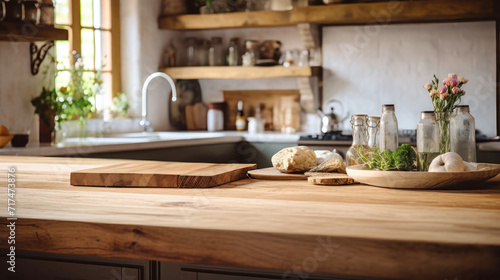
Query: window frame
pixel 75 28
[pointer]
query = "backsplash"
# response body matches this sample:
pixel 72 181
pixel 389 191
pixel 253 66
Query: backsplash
pixel 18 87
pixel 392 64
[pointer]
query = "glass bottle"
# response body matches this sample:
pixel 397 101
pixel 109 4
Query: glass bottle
pixel 203 48
pixel 251 54
pixel 234 53
pixel 388 128
pixel 373 131
pixel 240 117
pixel 463 134
pixel 359 139
pixel 427 140
pixel 216 52
pixel 190 44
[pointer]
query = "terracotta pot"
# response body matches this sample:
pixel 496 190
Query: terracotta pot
pixel 46 135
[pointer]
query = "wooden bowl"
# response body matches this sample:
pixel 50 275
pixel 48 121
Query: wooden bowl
pixel 423 179
pixel 4 140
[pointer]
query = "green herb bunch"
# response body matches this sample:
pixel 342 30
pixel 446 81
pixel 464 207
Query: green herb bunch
pixel 77 98
pixel 403 159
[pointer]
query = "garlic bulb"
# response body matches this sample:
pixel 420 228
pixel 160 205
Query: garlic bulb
pixel 449 162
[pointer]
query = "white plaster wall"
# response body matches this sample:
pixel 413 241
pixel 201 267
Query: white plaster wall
pixel 142 45
pixel 366 67
pixel 17 88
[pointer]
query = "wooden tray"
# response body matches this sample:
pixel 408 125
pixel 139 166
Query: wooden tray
pixel 422 180
pixel 271 173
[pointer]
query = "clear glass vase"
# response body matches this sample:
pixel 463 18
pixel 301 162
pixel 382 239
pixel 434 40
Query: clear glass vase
pixel 463 133
pixel 443 120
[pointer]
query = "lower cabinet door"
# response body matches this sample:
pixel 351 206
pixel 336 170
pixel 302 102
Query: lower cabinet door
pixel 213 276
pixel 28 269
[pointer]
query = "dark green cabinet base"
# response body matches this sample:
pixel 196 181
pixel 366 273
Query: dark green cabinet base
pixel 240 152
pixel 48 266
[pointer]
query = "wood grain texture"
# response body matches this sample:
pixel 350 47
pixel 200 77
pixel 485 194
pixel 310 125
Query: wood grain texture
pixel 21 32
pixel 383 12
pixel 271 173
pixel 423 180
pixel 373 232
pixel 240 72
pixel 161 174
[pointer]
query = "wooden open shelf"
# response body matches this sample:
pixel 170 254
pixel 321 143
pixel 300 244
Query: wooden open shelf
pixel 240 72
pixel 341 14
pixel 27 32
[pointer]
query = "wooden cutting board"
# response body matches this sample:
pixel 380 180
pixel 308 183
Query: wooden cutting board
pixel 271 173
pixel 161 174
pixel 329 179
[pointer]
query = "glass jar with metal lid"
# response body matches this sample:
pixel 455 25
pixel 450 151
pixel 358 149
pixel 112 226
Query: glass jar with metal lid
pixel 427 140
pixel 359 140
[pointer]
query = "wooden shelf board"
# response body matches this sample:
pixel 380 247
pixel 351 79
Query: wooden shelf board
pixel 227 20
pixel 341 14
pixel 396 12
pixel 27 32
pixel 240 72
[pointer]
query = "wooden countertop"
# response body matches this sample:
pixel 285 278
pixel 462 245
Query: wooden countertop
pixel 284 225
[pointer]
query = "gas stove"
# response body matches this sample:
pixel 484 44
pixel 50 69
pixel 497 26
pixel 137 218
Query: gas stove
pixel 331 136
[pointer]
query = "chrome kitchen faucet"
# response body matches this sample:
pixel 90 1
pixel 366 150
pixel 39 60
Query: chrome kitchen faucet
pixel 144 120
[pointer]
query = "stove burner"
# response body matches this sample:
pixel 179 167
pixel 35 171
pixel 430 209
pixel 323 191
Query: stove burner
pixel 331 136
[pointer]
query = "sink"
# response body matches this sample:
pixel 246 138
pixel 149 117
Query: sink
pixel 105 140
pixel 168 135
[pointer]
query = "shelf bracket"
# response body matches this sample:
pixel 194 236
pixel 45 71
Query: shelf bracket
pixel 38 54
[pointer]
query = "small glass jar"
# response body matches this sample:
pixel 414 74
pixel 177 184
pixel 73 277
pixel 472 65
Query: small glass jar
pixel 427 140
pixel 388 128
pixel 234 53
pixel 3 10
pixel 203 47
pixel 216 52
pixel 373 131
pixel 215 116
pixel 190 45
pixel 47 14
pixel 32 11
pixel 463 134
pixel 251 54
pixel 14 11
pixel 359 140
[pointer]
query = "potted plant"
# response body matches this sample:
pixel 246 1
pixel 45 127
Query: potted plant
pixel 74 101
pixel 206 6
pixel 47 107
pixel 46 104
pixel 77 98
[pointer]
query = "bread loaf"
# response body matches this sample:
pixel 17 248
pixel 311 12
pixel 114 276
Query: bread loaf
pixel 295 159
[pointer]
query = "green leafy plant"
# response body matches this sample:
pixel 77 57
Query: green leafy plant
pixel 403 159
pixel 120 104
pixel 47 107
pixel 207 3
pixel 46 104
pixel 77 96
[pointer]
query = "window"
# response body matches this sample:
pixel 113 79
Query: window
pixel 94 33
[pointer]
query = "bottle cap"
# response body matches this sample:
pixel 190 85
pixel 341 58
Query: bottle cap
pixel 216 105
